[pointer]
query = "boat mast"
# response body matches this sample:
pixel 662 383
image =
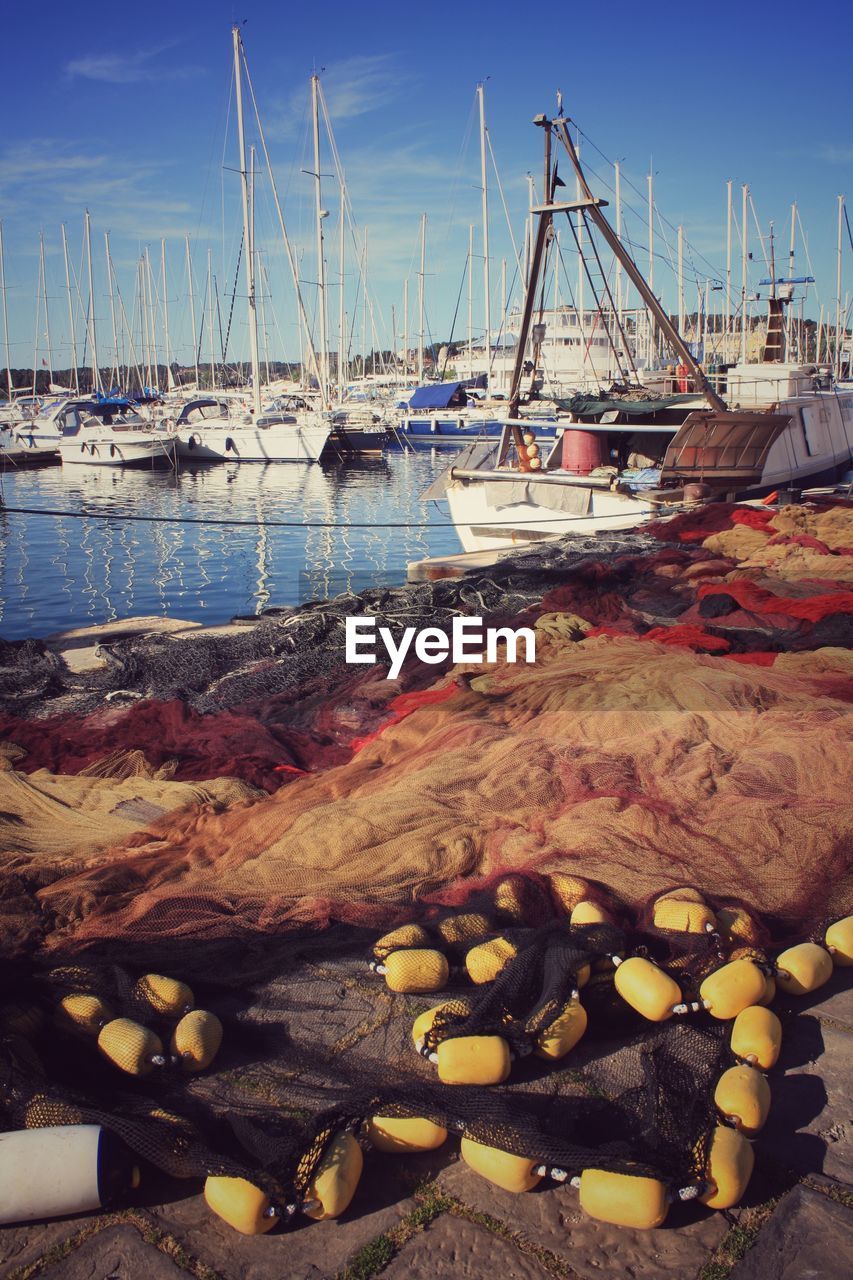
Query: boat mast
pixel 192 309
pixel 487 314
pixel 169 377
pixel 342 315
pixel 247 229
pixel 319 215
pixel 96 373
pixel 210 319
pixel 471 302
pixel 421 300
pixel 405 329
pixel 618 174
pixel 838 292
pixel 681 280
pixel 5 318
pixel 593 209
pixel 109 261
pixel 155 371
pixel 728 328
pixel 70 311
pixel 651 217
pixel 791 252
pixel 744 268
pixel 46 310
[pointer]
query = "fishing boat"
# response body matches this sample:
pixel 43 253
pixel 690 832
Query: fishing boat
pixel 110 433
pixel 621 459
pixel 446 415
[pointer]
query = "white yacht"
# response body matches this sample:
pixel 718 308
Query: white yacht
pixel 213 429
pixel 99 433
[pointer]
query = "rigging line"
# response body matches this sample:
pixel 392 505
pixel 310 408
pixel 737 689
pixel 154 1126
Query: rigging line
pixel 274 524
pixel 641 215
pixel 449 343
pixel 613 312
pixel 588 275
pixel 760 236
pixel 515 251
pixel 233 299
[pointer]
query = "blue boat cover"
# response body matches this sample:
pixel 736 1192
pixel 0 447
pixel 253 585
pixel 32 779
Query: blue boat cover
pixel 438 395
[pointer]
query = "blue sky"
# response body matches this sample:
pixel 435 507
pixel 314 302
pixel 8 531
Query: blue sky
pixel 123 109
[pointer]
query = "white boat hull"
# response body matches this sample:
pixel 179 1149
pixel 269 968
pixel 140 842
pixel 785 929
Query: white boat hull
pixel 287 442
pixel 119 450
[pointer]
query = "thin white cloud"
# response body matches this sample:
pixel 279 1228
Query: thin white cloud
pixel 353 87
pixel 129 68
pixel 832 153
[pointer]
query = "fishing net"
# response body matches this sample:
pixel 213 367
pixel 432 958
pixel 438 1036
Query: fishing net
pixel 686 723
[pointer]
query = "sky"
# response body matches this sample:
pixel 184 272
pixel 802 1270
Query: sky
pixel 128 111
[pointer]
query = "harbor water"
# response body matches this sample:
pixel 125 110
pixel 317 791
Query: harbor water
pixel 63 571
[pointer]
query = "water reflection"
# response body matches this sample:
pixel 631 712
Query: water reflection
pixel 58 572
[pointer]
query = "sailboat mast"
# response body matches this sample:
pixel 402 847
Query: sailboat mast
pixel 192 309
pixel 406 329
pixel 96 373
pixel 319 214
pixel 421 300
pixel 46 309
pixel 109 262
pixel 5 317
pixel 618 177
pixel 744 268
pixel 487 312
pixel 838 291
pixel 728 268
pixel 247 229
pixel 165 312
pixel 155 371
pixel 681 280
pixel 471 302
pixel 70 311
pixel 210 319
pixel 342 316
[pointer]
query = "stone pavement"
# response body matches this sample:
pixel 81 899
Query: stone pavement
pixel 431 1218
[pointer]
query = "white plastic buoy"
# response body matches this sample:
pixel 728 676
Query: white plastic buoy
pixel 65 1169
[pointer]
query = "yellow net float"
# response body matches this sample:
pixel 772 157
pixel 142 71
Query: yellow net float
pixel 731 988
pixel 241 1204
pixel 483 1060
pixel 803 968
pixel 742 1096
pixel 588 912
pixel 511 895
pixel 424 1021
pixel 626 1200
pixel 399 1135
pixel 165 995
pixel 335 1179
pixel 563 1034
pixel 735 922
pixel 421 969
pixel 769 990
pixel 196 1040
pixel 43 1112
pixel 408 935
pixel 568 890
pixel 729 1168
pixel 683 916
pixel 757 1037
pixel 84 1013
pixel 485 961
pixel 464 928
pixel 647 988
pixel 683 893
pixel 839 942
pixel 511 1173
pixel 131 1047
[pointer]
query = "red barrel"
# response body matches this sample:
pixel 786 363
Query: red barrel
pixel 582 451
